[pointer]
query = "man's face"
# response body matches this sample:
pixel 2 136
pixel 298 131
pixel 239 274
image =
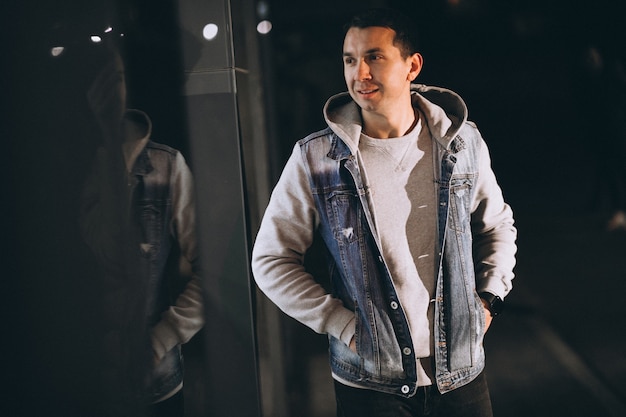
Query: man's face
pixel 377 76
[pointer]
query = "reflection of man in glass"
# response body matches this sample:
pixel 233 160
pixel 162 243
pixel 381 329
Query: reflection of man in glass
pixel 138 218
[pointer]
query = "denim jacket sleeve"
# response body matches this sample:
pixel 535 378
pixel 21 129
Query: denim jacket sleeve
pixel 185 318
pixel 285 234
pixel 493 232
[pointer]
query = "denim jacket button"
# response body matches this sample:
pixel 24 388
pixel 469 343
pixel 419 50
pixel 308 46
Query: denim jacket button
pixel 406 351
pixel 394 305
pixel 405 389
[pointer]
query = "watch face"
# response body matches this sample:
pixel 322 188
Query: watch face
pixel 496 305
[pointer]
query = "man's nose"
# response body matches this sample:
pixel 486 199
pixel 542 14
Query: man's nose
pixel 363 71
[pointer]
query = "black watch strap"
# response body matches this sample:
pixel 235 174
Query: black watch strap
pixel 494 303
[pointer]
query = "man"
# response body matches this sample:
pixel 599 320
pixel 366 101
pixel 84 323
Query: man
pixel 138 218
pixel 420 242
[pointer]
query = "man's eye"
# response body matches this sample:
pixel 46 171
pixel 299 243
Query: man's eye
pixel 348 61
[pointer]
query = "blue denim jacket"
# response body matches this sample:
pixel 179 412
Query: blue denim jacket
pixel 151 197
pixel 139 247
pixel 322 188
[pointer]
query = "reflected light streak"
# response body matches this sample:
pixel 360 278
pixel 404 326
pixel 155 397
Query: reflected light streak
pixel 262 9
pixel 96 39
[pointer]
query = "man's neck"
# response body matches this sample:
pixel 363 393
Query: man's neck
pixel 381 127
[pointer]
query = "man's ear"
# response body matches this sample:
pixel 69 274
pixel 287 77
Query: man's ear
pixel 416 66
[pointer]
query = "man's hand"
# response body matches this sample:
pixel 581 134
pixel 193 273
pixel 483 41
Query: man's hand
pixel 353 344
pixel 488 316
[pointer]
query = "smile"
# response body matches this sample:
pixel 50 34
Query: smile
pixel 367 92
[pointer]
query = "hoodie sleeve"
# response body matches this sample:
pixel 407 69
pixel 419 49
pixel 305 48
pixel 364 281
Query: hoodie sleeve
pixel 286 232
pixel 493 232
pixel 181 321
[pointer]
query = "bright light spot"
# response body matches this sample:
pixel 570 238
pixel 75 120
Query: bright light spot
pixel 57 50
pixel 108 29
pixel 210 31
pixel 96 39
pixel 264 27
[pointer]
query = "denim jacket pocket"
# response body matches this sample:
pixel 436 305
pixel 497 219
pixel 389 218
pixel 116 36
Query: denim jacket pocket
pixel 460 203
pixel 152 216
pixel 343 216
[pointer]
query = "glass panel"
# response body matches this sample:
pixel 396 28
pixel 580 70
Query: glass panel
pixel 119 112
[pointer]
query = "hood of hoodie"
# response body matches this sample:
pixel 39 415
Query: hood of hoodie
pixel 444 113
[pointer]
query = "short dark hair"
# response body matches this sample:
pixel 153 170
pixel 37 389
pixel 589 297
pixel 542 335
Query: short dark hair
pixel 406 35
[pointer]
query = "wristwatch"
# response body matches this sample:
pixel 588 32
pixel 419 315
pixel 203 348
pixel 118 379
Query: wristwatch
pixel 494 303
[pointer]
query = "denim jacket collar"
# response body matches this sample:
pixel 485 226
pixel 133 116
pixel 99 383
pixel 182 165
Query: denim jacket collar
pixel 143 165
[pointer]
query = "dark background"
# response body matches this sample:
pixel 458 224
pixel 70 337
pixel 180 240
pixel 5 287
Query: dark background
pixel 521 67
pixel 554 126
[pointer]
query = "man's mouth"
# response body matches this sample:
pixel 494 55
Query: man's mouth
pixel 367 91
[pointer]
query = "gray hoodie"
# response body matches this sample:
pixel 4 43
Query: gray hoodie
pixel 291 219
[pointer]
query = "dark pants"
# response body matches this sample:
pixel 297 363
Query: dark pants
pixel 471 400
pixel 172 407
